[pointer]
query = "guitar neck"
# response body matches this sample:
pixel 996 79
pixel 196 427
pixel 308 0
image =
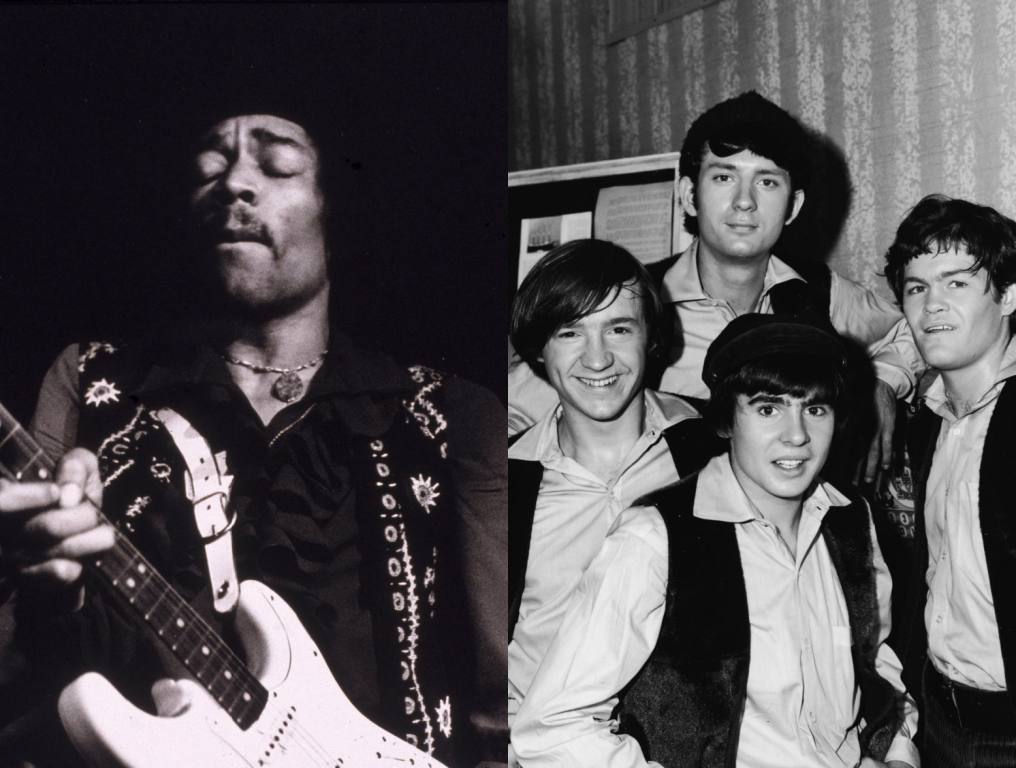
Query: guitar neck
pixel 125 572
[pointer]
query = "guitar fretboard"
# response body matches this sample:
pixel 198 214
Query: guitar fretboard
pixel 126 572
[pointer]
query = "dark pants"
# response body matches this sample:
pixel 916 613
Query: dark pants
pixel 964 729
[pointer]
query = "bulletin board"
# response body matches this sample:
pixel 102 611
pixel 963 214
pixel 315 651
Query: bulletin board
pixel 609 193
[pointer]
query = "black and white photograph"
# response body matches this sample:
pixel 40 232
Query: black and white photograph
pixel 253 506
pixel 762 383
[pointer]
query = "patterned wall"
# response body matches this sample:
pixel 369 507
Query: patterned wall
pixel 918 96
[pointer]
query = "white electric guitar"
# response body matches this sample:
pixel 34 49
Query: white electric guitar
pixel 282 708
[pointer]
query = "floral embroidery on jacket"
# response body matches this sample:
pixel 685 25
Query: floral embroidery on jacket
pixel 101 392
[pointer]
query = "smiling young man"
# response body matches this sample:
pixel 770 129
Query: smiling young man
pixel 953 267
pixel 742 178
pixel 588 318
pixel 763 584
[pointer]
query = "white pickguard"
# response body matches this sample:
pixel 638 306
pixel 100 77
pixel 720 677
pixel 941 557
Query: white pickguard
pixel 308 722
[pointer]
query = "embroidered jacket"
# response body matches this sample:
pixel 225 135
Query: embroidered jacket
pixel 380 454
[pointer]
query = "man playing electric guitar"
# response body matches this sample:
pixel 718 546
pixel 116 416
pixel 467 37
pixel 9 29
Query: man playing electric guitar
pixel 370 497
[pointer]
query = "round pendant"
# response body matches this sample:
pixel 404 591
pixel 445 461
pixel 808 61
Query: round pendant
pixel 287 388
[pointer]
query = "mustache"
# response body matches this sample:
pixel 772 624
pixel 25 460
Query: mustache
pixel 233 225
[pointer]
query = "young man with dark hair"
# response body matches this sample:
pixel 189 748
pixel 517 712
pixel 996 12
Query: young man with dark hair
pixel 953 268
pixel 764 585
pixel 743 173
pixel 587 317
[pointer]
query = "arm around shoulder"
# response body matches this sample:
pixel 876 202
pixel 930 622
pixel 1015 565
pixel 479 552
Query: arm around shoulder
pixel 877 323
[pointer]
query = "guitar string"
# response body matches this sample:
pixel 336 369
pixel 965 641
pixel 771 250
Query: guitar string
pixel 218 650
pixel 375 753
pixel 126 556
pixel 310 743
pixel 275 710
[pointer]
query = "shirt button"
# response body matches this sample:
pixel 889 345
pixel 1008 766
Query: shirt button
pixel 938 619
pixel 811 716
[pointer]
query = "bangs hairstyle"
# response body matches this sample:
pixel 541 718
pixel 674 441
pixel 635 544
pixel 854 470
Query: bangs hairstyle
pixel 569 283
pixel 938 224
pixel 746 122
pixel 813 379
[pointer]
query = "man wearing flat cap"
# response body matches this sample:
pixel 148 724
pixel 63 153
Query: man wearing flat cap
pixel 370 497
pixel 763 585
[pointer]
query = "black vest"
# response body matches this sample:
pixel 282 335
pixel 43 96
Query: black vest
pixel 691 442
pixel 686 704
pixel 997 517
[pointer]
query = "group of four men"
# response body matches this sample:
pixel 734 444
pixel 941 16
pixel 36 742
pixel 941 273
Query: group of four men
pixel 689 592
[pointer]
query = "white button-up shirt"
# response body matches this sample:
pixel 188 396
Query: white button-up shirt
pixel 802 699
pixel 963 641
pixel 574 511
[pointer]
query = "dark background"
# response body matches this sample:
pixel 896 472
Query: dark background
pixel 97 105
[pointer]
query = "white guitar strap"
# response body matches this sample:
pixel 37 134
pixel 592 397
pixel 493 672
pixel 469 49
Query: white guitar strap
pixel 207 488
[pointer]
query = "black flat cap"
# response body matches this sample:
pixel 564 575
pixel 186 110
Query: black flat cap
pixel 754 336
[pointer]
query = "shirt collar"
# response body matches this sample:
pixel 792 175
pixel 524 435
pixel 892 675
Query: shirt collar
pixel 345 371
pixel 683 283
pixel 935 397
pixel 540 442
pixel 719 496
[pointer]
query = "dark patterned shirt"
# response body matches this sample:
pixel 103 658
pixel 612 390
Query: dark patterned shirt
pixel 306 528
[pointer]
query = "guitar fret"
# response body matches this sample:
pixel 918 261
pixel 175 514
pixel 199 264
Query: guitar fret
pixel 19 452
pixel 154 605
pixel 120 570
pixel 14 430
pixel 134 581
pixel 126 572
pixel 201 651
pixel 36 458
pixel 226 681
pixel 245 703
pixel 189 643
pixel 200 655
pixel 172 628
